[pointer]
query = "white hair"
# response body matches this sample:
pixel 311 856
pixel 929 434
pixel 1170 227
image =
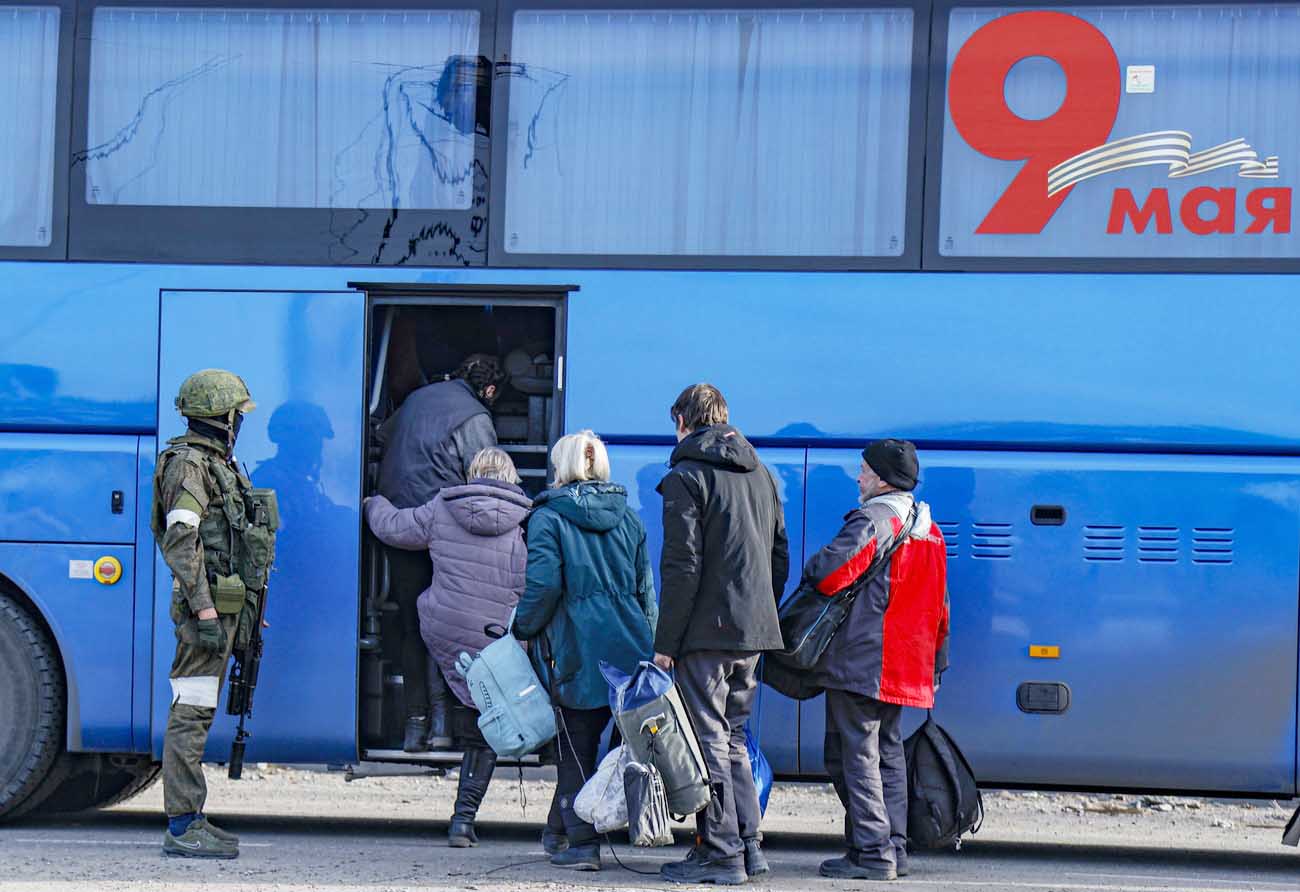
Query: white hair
pixel 494 464
pixel 579 456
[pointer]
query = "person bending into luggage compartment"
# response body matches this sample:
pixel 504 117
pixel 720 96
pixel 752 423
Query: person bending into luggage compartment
pixel 723 569
pixel 589 597
pixel 888 653
pixel 428 444
pixel 475 540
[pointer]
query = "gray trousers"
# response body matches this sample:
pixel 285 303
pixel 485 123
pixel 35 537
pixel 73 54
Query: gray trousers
pixel 864 756
pixel 719 687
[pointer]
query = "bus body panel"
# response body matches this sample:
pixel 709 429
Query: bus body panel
pixel 80 347
pixel 951 360
pixel 775 722
pixel 301 355
pixel 1170 590
pixel 92 627
pixel 60 488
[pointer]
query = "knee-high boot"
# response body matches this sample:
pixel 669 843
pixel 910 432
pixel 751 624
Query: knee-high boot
pixel 476 769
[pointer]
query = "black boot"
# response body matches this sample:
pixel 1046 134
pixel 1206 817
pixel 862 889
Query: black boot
pixel 417 729
pixel 439 709
pixel 475 774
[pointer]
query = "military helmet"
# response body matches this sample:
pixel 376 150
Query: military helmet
pixel 214 393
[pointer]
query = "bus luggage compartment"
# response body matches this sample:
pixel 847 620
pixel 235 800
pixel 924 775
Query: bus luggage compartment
pixel 1160 591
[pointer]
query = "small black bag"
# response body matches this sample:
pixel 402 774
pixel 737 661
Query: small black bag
pixel 942 799
pixel 809 619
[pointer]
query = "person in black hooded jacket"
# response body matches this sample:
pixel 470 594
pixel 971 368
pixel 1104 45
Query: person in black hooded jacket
pixel 723 568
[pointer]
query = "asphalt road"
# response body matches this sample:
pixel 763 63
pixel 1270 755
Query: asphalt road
pixel 307 829
pixel 119 851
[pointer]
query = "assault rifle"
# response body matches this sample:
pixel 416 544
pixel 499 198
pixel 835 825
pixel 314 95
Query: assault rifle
pixel 248 659
pixel 243 682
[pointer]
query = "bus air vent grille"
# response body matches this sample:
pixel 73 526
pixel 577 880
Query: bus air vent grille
pixel 1158 545
pixel 951 530
pixel 1103 543
pixel 991 541
pixel 1212 545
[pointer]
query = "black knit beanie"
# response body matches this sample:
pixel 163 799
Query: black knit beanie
pixel 894 462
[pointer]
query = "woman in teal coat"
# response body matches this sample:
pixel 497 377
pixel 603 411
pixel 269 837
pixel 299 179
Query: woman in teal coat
pixel 589 597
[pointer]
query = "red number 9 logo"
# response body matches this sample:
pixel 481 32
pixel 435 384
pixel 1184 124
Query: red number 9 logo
pixel 977 103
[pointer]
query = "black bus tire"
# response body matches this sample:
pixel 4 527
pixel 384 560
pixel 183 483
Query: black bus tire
pixel 82 781
pixel 32 700
pixel 141 780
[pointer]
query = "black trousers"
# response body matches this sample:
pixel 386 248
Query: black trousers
pixel 410 573
pixel 864 757
pixel 579 745
pixel 719 688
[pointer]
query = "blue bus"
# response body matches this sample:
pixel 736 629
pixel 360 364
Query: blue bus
pixel 1050 243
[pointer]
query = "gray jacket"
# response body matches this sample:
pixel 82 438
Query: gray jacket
pixel 431 441
pixel 476 541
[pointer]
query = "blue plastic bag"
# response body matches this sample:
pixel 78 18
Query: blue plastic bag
pixel 646 684
pixel 761 770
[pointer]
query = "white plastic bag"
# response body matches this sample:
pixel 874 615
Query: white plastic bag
pixel 601 801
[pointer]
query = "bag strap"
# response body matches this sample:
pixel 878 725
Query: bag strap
pixel 979 796
pixel 852 589
pixel 950 754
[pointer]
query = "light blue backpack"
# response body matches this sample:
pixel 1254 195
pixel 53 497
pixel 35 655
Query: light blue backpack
pixel 515 714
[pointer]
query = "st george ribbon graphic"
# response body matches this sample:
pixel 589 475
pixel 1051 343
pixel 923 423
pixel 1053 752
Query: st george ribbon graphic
pixel 1170 147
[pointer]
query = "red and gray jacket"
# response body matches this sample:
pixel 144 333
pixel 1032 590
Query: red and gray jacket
pixel 894 642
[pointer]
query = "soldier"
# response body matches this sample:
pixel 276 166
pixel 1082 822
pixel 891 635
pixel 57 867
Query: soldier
pixel 218 537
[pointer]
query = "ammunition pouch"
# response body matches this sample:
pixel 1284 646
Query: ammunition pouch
pixel 258 537
pixel 229 594
pixel 247 620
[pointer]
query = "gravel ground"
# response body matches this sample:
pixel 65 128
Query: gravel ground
pixel 311 830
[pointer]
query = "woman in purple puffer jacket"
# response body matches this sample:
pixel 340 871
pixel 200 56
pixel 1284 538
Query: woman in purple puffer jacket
pixel 476 542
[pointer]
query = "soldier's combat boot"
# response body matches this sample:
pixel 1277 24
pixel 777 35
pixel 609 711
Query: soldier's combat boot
pixel 223 835
pixel 198 841
pixel 476 769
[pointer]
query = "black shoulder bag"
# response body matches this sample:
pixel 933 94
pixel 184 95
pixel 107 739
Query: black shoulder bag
pixel 809 619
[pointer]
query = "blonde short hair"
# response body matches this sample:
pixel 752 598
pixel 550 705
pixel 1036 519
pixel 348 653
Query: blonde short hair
pixel 494 464
pixel 579 456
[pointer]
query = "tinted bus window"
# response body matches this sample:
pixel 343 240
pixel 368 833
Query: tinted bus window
pixel 1121 132
pixel 727 132
pixel 29 55
pixel 282 108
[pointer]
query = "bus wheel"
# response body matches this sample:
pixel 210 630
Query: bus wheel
pixel 32 701
pixel 81 781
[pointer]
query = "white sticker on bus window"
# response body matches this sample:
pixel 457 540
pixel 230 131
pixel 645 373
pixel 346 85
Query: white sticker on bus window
pixel 81 569
pixel 1140 79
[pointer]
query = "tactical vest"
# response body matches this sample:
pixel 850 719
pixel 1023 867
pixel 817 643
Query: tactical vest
pixel 237 529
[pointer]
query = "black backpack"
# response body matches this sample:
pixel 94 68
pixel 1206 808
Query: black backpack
pixel 942 799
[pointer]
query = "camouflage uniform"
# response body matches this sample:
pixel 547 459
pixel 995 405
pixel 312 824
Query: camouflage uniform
pixel 201 518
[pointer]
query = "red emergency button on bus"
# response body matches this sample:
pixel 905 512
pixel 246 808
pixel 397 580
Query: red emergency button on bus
pixel 108 570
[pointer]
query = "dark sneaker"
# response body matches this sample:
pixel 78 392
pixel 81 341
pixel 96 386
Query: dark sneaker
pixel 848 869
pixel 461 835
pixel 755 863
pixel 417 732
pixel 554 842
pixel 902 868
pixel 578 857
pixel 698 868
pixel 223 835
pixel 197 842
